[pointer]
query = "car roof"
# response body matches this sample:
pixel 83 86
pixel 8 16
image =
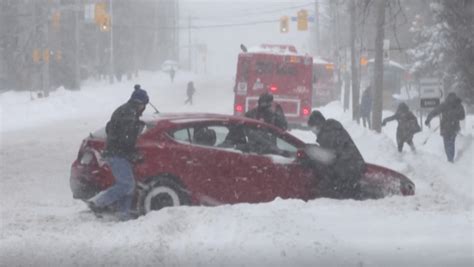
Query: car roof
pixel 181 118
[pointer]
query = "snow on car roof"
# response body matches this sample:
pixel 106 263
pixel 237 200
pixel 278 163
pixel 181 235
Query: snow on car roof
pixel 272 50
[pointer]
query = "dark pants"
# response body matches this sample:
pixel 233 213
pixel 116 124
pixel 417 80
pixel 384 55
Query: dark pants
pixel 337 184
pixel 449 146
pixel 409 142
pixel 189 100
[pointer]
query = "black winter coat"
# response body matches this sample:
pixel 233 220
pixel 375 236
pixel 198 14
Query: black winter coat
pixel 122 131
pixel 268 116
pixel 349 165
pixel 451 112
pixel 407 125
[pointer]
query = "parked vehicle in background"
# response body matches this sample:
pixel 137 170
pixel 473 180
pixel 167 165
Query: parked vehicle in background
pixel 280 70
pixel 324 85
pixel 169 65
pixel 210 159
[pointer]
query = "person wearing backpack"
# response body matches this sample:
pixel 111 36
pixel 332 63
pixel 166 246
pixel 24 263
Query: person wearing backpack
pixel 407 126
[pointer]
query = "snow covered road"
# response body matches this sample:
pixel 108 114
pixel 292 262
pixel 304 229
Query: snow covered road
pixel 41 225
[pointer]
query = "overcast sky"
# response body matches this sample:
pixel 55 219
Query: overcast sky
pixel 223 42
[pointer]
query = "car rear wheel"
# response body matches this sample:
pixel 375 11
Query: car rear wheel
pixel 162 192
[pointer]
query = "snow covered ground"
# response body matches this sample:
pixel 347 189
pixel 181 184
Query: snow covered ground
pixel 41 225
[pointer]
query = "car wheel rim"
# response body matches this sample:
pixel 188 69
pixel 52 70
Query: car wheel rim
pixel 161 197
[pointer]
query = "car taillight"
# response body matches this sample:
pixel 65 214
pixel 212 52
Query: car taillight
pixel 306 111
pixel 239 108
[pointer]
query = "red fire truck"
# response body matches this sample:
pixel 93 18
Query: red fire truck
pixel 280 70
pixel 324 87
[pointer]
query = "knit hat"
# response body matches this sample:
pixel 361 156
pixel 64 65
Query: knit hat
pixel 265 100
pixel 316 118
pixel 139 95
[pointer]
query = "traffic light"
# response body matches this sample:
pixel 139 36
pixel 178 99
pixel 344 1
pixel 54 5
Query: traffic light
pixel 46 54
pixel 102 19
pixel 284 24
pixel 56 19
pixel 99 13
pixel 302 17
pixel 36 55
pixel 104 25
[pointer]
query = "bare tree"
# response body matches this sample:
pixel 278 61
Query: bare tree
pixel 354 63
pixel 378 67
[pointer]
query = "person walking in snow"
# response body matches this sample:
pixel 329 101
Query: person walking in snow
pixel 120 153
pixel 264 112
pixel 172 73
pixel 190 90
pixel 340 179
pixel 407 126
pixel 452 112
pixel 366 107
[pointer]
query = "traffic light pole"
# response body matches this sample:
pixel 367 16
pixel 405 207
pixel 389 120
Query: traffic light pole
pixel 111 50
pixel 77 74
pixel 316 28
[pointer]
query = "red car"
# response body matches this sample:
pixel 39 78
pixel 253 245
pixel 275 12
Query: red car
pixel 209 159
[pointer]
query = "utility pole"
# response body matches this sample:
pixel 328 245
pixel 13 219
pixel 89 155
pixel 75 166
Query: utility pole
pixel 112 70
pixel 189 43
pixel 378 67
pixel 77 74
pixel 45 10
pixel 354 63
pixel 316 28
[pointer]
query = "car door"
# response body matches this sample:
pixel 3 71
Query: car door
pixel 210 167
pixel 271 169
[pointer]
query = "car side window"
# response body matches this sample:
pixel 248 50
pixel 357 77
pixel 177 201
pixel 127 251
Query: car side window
pixel 183 135
pixel 264 141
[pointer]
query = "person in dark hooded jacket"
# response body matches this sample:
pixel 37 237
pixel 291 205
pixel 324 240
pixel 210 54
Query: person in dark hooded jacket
pixel 407 126
pixel 264 112
pixel 452 112
pixel 340 179
pixel 120 153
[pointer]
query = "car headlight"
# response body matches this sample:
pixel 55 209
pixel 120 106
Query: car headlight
pixel 87 158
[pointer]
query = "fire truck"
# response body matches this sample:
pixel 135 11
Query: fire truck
pixel 324 86
pixel 280 70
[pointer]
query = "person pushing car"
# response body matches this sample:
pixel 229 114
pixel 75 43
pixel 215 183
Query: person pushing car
pixel 340 178
pixel 120 153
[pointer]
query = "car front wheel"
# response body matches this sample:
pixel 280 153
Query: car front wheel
pixel 160 193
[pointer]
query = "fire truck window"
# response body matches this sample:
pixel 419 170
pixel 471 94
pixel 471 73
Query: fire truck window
pixel 244 71
pixel 264 67
pixel 286 69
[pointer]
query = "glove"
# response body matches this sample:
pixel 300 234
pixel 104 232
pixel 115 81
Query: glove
pixel 427 123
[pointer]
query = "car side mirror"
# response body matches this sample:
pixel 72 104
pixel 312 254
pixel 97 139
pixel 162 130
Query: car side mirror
pixel 319 154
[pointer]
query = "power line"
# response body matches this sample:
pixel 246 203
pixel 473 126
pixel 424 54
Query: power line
pixel 246 14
